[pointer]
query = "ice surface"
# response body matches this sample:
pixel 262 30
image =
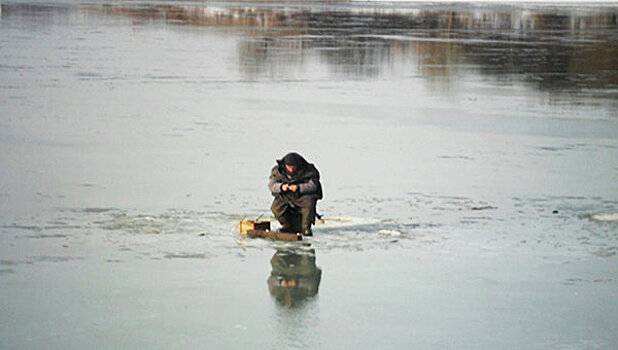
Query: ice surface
pixel 468 153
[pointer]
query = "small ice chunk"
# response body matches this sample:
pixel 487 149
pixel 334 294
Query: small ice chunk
pixel 608 217
pixel 390 233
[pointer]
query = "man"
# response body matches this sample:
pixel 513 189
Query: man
pixel 295 184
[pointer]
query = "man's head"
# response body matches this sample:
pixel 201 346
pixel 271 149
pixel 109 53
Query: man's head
pixel 293 162
pixel 291 168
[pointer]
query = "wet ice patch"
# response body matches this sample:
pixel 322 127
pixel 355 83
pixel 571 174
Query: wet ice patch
pixel 483 207
pixel 605 252
pixel 43 236
pixel 167 223
pixel 136 224
pixel 54 258
pixel 22 227
pixel 460 157
pixel 185 255
pixel 94 210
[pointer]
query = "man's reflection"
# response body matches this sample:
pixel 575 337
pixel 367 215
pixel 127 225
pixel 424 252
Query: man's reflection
pixel 294 276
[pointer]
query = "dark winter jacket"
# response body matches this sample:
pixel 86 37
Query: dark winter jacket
pixel 307 177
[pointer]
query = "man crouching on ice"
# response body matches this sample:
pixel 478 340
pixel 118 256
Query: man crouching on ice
pixel 295 184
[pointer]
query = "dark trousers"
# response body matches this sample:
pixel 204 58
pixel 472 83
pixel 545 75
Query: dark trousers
pixel 295 214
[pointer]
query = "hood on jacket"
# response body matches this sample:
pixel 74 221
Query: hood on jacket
pixel 293 158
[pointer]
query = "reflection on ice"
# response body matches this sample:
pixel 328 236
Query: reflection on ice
pixel 568 50
pixel 294 277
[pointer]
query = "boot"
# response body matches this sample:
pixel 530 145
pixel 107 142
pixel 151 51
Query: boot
pixel 307 218
pixel 287 223
pixel 307 232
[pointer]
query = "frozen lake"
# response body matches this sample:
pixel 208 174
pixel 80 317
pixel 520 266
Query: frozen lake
pixel 468 152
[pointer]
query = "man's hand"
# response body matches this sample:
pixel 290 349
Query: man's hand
pixel 288 187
